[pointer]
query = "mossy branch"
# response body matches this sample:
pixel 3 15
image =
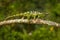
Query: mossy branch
pixel 30 21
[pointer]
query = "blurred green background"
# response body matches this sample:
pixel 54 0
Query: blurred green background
pixel 30 31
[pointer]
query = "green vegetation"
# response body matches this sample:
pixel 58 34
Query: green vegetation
pixel 41 33
pixel 30 31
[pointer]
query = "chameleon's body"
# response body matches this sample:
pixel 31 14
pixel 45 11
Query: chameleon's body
pixel 28 15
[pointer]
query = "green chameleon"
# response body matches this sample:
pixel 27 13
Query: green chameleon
pixel 27 15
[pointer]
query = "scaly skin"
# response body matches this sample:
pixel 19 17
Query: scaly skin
pixel 28 15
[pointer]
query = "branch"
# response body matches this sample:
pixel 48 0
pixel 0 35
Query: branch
pixel 29 21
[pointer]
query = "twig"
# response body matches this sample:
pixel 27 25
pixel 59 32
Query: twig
pixel 31 21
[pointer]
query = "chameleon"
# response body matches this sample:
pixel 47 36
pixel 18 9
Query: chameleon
pixel 28 15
